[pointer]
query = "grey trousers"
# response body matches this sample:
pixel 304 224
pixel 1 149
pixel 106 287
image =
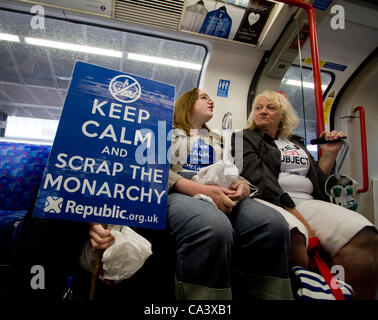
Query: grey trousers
pixel 218 256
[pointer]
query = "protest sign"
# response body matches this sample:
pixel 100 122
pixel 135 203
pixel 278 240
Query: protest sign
pixel 109 161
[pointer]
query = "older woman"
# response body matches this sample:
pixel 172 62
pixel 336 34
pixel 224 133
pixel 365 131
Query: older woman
pixel 235 235
pixel 279 164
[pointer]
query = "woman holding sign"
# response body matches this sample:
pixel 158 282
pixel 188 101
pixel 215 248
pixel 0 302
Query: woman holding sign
pixel 231 240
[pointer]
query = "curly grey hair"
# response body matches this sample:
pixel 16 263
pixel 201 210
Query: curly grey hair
pixel 290 118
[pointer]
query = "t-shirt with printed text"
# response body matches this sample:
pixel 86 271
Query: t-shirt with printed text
pixel 295 164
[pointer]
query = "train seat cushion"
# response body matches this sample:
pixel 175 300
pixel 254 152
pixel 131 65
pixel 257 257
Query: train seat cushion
pixel 21 170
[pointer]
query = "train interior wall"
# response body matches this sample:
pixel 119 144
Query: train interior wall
pixel 362 91
pixel 238 64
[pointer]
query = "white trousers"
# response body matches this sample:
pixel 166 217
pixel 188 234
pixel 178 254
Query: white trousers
pixel 334 225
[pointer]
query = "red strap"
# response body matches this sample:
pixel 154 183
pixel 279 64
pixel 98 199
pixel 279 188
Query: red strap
pixel 313 249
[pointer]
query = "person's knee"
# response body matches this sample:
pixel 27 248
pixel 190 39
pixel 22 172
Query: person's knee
pixel 369 246
pixel 278 229
pixel 265 222
pixel 269 232
pixel 372 239
pixel 365 241
pixel 360 254
pixel 219 232
pixel 202 224
pixel 263 246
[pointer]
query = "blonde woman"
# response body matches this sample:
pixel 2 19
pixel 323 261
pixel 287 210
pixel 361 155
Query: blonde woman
pixel 280 165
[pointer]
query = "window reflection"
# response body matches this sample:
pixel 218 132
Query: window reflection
pixel 35 69
pixel 300 92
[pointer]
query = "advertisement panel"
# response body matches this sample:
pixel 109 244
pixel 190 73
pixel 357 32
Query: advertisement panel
pixel 240 20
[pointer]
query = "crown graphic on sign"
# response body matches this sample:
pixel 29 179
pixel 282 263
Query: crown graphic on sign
pixel 125 88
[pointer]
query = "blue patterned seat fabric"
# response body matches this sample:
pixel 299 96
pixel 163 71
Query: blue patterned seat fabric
pixel 21 170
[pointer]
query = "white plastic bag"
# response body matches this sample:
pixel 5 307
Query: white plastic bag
pixel 222 173
pixel 123 258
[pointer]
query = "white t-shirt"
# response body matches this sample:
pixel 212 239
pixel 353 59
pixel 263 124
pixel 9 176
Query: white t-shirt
pixel 295 164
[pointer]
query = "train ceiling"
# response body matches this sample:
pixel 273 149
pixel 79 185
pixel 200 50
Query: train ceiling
pixel 34 80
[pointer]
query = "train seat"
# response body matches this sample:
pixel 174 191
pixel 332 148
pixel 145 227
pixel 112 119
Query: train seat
pixel 39 240
pixel 21 170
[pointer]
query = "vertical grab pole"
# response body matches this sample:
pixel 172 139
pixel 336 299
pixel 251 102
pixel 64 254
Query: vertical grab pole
pixel 315 59
pixel 365 172
pixel 316 70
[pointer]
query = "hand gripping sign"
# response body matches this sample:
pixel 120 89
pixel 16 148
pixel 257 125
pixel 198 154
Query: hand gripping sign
pixel 108 163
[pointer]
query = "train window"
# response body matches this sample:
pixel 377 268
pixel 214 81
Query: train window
pixel 299 88
pixel 37 64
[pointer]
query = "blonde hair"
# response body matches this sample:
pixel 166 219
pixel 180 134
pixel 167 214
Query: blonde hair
pixel 289 117
pixel 183 109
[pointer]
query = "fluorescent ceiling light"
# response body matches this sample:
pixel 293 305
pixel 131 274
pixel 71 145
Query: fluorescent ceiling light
pixel 9 37
pixel 168 62
pixel 26 140
pixel 63 78
pixel 305 84
pixel 73 47
pixel 30 129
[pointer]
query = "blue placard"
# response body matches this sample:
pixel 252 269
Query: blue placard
pixel 334 66
pixel 223 87
pixel 108 163
pixel 321 4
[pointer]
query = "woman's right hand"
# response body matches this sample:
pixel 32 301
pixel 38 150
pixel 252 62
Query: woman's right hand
pixel 218 194
pixel 220 197
pixel 99 237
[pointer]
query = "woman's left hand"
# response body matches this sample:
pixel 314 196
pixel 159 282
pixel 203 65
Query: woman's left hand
pixel 332 148
pixel 241 189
